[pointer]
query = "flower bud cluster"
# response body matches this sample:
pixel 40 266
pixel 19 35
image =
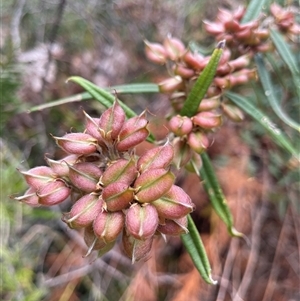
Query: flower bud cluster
pixel 115 191
pixel 245 37
pixel 186 66
pixel 285 20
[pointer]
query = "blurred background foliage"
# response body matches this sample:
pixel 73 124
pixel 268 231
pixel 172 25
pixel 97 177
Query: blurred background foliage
pixel 44 42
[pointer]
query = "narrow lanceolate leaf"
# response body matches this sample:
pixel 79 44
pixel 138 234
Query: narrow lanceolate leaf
pixel 287 56
pixel 194 245
pixel 269 89
pixel 104 97
pixel 216 195
pixel 202 84
pixel 277 135
pixel 121 89
pixel 253 10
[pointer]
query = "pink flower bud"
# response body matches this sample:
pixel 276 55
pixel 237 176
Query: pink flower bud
pixel 157 157
pixel 238 13
pixel 85 176
pixel 152 184
pixel 141 221
pixel 232 26
pixel 38 176
pixel 133 132
pixel 174 227
pixel 111 122
pixel 171 84
pixel 84 211
pixel 108 225
pixel 30 198
pixel 77 143
pixel 60 167
pixel 208 104
pixel 184 72
pixel 53 193
pixel 155 52
pixel 117 196
pixel 174 48
pixel 174 204
pixel 92 128
pixel 213 28
pixel 198 141
pixel 121 170
pixel 194 60
pixel 207 120
pixel 222 82
pixel 240 62
pixel 233 112
pixel 136 249
pixel 182 152
pixel 180 125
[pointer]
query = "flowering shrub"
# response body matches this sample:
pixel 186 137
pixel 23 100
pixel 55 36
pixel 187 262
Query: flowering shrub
pixel 114 191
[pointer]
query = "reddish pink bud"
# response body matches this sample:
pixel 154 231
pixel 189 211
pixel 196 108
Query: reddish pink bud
pixel 77 143
pixel 141 221
pixel 244 34
pixel 174 204
pixel 155 52
pixel 30 198
pixel 121 170
pixel 174 227
pixel 233 112
pixel 157 157
pixel 152 184
pixel 238 13
pixel 232 26
pixel 92 128
pixel 214 28
pixel 223 69
pixel 240 62
pixel 95 243
pixel 108 225
pixel 180 125
pixel 208 104
pixel 117 196
pixel 53 193
pixel 133 132
pixel 61 167
pixel 85 176
pixel 174 48
pixel 171 84
pixel 182 152
pixel 184 72
pixel 111 122
pixel 207 120
pixel 38 176
pixel 84 211
pixel 134 248
pixel 222 82
pixel 194 60
pixel 198 141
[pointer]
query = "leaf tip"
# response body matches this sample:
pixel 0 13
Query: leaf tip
pixel 221 44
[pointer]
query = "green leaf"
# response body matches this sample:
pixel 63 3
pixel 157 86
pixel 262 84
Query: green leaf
pixel 287 56
pixel 202 84
pixel 253 10
pixel 277 135
pixel 216 196
pixel 269 93
pixel 121 89
pixel 104 97
pixel 194 245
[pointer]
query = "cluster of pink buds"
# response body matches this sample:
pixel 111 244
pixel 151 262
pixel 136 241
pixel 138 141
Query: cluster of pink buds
pixel 284 18
pixel 115 191
pixel 186 67
pixel 246 38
